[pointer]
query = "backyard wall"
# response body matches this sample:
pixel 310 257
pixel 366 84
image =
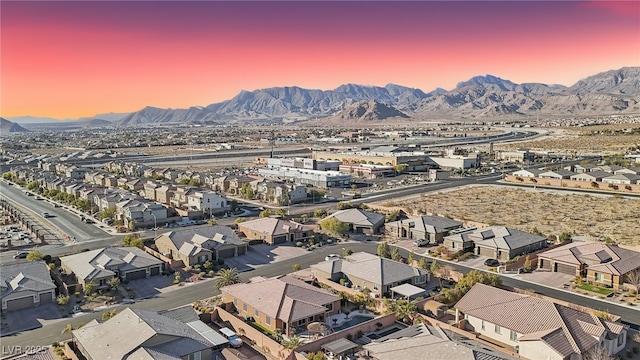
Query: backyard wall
pixel 257 339
pixel 573 184
pixel 364 327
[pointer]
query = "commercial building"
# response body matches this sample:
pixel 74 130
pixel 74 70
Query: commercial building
pixel 318 178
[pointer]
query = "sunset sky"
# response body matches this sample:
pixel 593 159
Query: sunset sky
pixel 76 59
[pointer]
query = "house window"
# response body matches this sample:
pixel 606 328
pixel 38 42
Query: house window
pixel 267 320
pixel 482 325
pixel 599 276
pixel 256 312
pixel 194 356
pixel 513 336
pixel 301 322
pixel 621 339
pixel 375 286
pixel 497 329
pixel 244 307
pixel 454 245
pixel 329 307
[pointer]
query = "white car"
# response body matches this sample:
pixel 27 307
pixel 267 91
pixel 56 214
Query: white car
pixel 332 257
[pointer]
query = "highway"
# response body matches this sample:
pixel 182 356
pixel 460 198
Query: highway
pixel 190 293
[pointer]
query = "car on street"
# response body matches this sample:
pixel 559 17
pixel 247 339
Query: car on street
pixel 21 255
pixel 88 221
pixel 332 257
pixel 492 262
pixel 46 215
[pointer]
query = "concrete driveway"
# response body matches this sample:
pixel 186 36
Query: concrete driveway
pixel 152 286
pixel 28 319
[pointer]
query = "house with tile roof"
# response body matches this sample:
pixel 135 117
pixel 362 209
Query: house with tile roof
pixel 432 228
pixel 281 302
pixel 198 245
pixel 360 221
pixel 275 231
pixel 415 341
pixel 497 242
pixel 535 328
pixel 364 270
pixel 25 284
pixel 101 265
pixel 141 335
pixel 603 264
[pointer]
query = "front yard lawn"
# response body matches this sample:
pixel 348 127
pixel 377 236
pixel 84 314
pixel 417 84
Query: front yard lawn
pixel 596 289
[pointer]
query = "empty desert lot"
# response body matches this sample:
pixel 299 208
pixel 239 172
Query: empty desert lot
pixel 590 217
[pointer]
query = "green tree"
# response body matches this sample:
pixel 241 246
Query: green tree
pixel 114 282
pixel 89 287
pixel 383 250
pixel 133 240
pixel 316 356
pixel 266 213
pixel 108 213
pixel 194 182
pixel 395 254
pixel 226 277
pixel 239 220
pixel 67 329
pixel 435 267
pixel 233 205
pixel 526 266
pixel 411 258
pixel 423 263
pixel 292 343
pixel 392 216
pixel 334 225
pixel 318 213
pixel 108 314
pixel 62 300
pixel 400 168
pixel 32 185
pixel 246 191
pixel 565 236
pixel 347 252
pixel 34 256
pixel 7 175
pixel 296 267
pixel 343 205
pixel 476 276
pixel 405 310
pixel 208 265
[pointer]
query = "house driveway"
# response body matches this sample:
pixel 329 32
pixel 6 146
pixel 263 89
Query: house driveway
pixel 152 286
pixel 262 254
pixel 30 318
pixel 552 279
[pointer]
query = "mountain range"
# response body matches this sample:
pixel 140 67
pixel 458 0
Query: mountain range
pixel 7 127
pixel 481 97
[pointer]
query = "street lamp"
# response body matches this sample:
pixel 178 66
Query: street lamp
pixel 155 225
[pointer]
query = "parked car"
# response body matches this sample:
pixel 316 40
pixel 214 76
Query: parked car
pixel 332 257
pixel 21 255
pixel 492 262
pixel 234 339
pixel 421 242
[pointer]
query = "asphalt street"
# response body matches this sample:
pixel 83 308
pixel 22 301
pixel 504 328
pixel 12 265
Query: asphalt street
pixel 66 221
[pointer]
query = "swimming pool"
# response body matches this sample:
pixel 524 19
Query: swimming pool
pixel 355 320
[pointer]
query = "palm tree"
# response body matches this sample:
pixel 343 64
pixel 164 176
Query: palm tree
pixel 292 343
pixel 406 311
pixel 226 277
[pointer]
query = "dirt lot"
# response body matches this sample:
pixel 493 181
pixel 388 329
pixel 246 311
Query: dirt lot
pixel 588 217
pixel 593 139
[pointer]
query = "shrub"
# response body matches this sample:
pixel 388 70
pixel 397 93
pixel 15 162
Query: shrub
pixel 343 281
pixel 299 244
pixel 55 344
pixel 62 300
pixel 202 274
pixel 211 273
pixel 296 267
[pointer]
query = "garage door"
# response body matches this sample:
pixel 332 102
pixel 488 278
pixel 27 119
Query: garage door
pixel 242 250
pixel 487 252
pixel 45 298
pixel 545 264
pixel 280 239
pixel 138 274
pixel 226 253
pixel 22 303
pixel 155 271
pixel 565 269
